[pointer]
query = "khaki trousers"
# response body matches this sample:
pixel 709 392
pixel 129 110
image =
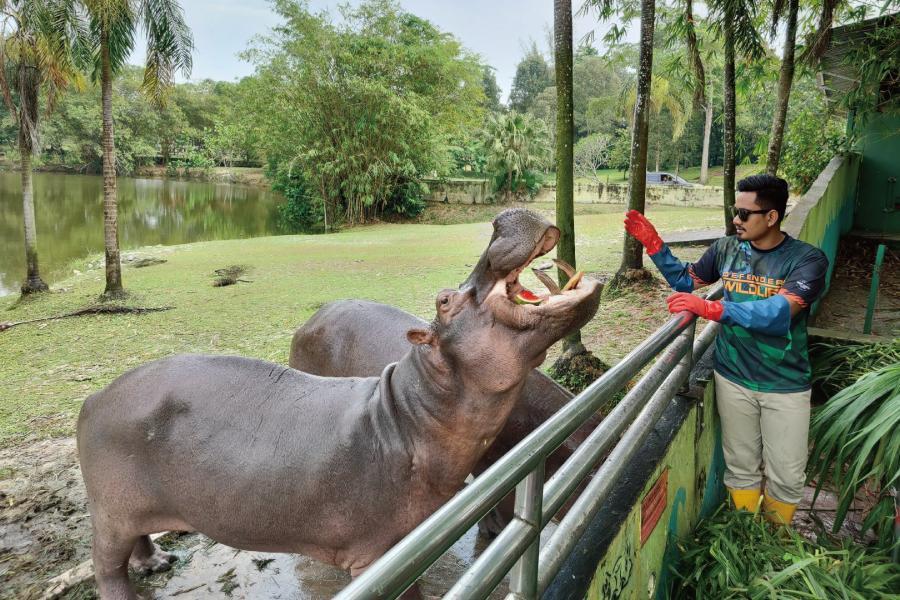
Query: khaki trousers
pixel 764 430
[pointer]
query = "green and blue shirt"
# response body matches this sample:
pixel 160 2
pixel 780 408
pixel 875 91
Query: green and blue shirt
pixel 760 346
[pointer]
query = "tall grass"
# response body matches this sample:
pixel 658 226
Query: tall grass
pixel 735 554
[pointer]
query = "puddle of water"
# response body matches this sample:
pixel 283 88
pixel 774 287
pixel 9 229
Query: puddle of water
pixel 206 569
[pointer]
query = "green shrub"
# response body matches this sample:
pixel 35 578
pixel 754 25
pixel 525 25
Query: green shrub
pixel 301 211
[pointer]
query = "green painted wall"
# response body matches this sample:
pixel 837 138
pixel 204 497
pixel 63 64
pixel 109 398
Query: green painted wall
pixel 826 210
pixel 631 571
pixel 878 201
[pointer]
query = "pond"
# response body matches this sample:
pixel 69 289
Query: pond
pixel 69 213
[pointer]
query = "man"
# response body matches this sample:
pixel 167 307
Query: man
pixel 762 374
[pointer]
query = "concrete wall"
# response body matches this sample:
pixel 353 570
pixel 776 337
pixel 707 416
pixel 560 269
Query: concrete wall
pixel 675 480
pixel 477 191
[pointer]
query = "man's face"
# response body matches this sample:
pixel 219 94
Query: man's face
pixel 757 224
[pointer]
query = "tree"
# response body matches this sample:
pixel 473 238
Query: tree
pixel 516 145
pixel 592 153
pixel 785 80
pixel 565 138
pixel 491 90
pixel 532 77
pixel 169 47
pixel 664 96
pixel 38 56
pixel 736 20
pixel 632 250
pixel 362 108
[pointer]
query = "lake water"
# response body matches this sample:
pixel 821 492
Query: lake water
pixel 69 213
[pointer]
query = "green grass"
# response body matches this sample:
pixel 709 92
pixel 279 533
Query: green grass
pixel 49 368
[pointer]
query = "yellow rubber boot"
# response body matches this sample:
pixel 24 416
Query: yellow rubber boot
pixel 780 513
pixel 745 499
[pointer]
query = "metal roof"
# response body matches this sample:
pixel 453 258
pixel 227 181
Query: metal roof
pixel 837 75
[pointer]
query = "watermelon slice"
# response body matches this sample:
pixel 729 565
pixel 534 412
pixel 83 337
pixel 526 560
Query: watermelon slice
pixel 527 297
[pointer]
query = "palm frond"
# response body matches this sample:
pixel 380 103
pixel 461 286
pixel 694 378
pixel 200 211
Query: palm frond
pixel 169 46
pixel 693 51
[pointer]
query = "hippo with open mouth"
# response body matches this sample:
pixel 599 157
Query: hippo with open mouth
pixel 262 457
pixel 359 338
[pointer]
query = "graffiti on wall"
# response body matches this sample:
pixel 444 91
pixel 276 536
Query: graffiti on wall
pixel 617 578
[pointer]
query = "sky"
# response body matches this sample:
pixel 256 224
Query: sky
pixel 498 30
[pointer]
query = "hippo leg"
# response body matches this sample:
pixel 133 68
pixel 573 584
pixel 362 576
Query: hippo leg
pixel 147 557
pixel 111 551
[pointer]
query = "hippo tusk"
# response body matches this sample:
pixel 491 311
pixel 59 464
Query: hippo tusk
pixel 574 277
pixel 547 281
pixel 564 267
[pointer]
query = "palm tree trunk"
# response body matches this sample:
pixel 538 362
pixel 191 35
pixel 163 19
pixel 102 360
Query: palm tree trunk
pixel 632 251
pixel 730 125
pixel 657 154
pixel 565 132
pixel 785 79
pixel 110 205
pixel 707 134
pixel 33 282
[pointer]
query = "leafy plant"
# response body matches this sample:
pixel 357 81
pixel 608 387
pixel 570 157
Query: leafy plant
pixel 735 554
pixel 302 211
pixel 856 439
pixel 836 366
pixel 810 142
pixel 516 145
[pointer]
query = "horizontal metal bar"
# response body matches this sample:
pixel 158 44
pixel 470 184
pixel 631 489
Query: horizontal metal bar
pixel 560 544
pixel 574 470
pixel 567 478
pixel 389 576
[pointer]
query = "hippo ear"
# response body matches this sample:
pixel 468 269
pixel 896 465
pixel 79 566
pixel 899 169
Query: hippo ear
pixel 418 337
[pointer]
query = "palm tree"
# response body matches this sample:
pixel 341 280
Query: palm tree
pixel 565 133
pixel 169 46
pixel 515 145
pixel 735 19
pixel 701 94
pixel 785 80
pixel 37 55
pixel 632 251
pixel 818 42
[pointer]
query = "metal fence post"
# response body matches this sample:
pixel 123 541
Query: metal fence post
pixel 529 508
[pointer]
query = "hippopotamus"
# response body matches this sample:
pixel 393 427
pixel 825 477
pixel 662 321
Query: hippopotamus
pixel 263 457
pixel 359 338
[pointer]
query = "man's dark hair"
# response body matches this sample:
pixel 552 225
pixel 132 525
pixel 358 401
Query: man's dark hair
pixel 771 192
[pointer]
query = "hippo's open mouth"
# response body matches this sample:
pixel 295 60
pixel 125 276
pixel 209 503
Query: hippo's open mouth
pixel 519 294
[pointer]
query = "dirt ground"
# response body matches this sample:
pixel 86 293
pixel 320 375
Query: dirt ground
pixel 45 530
pixel 845 306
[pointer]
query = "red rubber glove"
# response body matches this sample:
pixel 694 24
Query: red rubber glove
pixel 708 309
pixel 643 231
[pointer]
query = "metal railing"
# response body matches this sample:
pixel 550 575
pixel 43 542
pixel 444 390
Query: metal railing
pixel 516 549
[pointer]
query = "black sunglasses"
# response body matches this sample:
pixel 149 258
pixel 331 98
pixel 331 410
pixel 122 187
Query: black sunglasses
pixel 744 213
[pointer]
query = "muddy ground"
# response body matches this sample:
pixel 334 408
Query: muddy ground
pixel 844 308
pixel 45 530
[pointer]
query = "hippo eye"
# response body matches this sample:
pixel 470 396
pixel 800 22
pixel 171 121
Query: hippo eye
pixel 445 300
